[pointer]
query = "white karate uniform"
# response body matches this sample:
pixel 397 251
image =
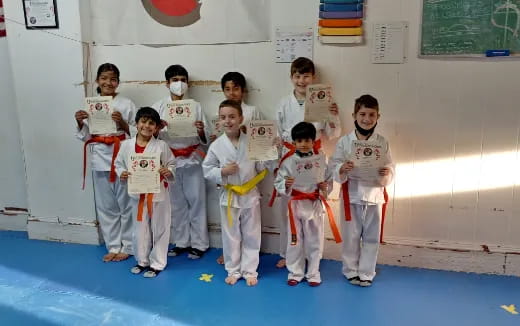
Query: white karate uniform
pixel 361 234
pixel 241 241
pixel 152 234
pixel 113 208
pixel 188 194
pixel 289 113
pixel 308 219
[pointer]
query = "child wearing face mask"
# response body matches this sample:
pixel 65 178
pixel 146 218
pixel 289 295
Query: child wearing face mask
pixel 188 196
pixel 363 203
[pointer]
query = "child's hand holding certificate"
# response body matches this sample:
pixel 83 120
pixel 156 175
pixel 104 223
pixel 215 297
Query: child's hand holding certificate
pixel 318 100
pixel 180 116
pixel 144 173
pixel 261 146
pixel 100 111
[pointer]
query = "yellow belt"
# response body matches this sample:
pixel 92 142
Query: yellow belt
pixel 241 190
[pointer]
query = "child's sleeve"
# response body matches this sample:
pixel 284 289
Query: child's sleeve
pixel 207 127
pixel 130 118
pixel 83 134
pixel 280 120
pixel 386 180
pixel 211 166
pixel 257 115
pixel 337 160
pixel 168 159
pixel 120 163
pixel 279 180
pixel 333 127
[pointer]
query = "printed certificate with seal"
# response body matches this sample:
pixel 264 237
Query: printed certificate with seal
pixel 144 175
pixel 218 129
pixel 368 157
pixel 309 170
pixel 261 134
pixel 317 103
pixel 180 116
pixel 100 111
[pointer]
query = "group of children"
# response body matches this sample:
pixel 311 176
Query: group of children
pixel 140 225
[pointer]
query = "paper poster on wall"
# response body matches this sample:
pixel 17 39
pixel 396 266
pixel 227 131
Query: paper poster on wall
pixel 293 42
pixel 389 42
pixel 119 22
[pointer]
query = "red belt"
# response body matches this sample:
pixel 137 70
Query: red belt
pixel 107 140
pixel 292 150
pixel 186 152
pixel 298 195
pixel 346 207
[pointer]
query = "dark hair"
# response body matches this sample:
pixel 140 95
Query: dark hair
pixel 237 78
pixel 104 68
pixel 148 113
pixel 302 65
pixel 175 70
pixel 231 104
pixel 367 101
pixel 303 130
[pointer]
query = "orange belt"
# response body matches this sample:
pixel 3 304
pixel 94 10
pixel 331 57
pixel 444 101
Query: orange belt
pixel 186 152
pixel 107 140
pixel 292 150
pixel 346 207
pixel 140 206
pixel 299 195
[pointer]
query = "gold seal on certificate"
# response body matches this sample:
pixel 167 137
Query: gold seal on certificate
pixel 180 116
pixel 144 173
pixel 218 129
pixel 309 170
pixel 317 103
pixel 368 157
pixel 99 111
pixel 261 145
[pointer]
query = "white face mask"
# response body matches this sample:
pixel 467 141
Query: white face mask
pixel 178 88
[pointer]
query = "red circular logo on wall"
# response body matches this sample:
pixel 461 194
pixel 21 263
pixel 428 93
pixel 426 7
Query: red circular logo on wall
pixel 175 13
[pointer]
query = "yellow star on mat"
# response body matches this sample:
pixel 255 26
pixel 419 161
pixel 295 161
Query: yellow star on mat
pixel 206 277
pixel 510 308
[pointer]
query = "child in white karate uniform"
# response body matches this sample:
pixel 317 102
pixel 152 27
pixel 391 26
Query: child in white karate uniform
pixel 306 204
pixel 291 111
pixel 188 194
pixel 362 202
pixel 227 165
pixel 112 203
pixel 152 212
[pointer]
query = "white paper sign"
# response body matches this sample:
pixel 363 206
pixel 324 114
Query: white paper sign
pixel 144 173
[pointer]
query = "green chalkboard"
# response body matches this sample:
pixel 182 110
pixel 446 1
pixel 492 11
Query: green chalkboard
pixel 469 27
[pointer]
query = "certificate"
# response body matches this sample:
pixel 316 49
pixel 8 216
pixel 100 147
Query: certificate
pixel 40 14
pixel 368 158
pixel 100 111
pixel 144 175
pixel 261 134
pixel 309 170
pixel 317 103
pixel 180 116
pixel 218 129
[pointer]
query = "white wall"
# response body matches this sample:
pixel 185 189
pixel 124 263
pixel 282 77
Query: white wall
pixel 48 74
pixel 444 119
pixel 12 174
pixel 453 124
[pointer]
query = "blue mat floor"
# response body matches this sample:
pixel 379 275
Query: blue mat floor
pixel 48 283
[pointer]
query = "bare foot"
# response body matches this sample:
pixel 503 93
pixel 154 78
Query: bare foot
pixel 121 256
pixel 231 280
pixel 220 260
pixel 109 257
pixel 281 263
pixel 251 281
